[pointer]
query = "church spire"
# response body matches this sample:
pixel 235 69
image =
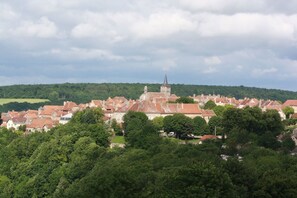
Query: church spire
pixel 165 83
pixel 165 88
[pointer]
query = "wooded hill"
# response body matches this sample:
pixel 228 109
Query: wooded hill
pixel 84 92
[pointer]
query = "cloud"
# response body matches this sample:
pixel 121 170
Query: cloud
pixel 136 40
pixel 43 28
pixel 250 25
pixel 214 60
pixel 81 54
pixel 163 23
pixel 260 72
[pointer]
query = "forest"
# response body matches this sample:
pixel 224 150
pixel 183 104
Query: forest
pixel 84 92
pixel 74 160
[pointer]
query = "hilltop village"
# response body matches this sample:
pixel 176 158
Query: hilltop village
pixel 153 104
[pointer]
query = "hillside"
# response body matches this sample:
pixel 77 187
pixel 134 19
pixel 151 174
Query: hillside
pixel 84 92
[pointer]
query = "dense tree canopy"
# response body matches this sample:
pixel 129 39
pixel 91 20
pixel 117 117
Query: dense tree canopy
pixel 210 105
pixel 180 124
pixel 185 100
pixel 74 160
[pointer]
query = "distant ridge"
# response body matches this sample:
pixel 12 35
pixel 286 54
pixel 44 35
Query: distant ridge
pixel 84 92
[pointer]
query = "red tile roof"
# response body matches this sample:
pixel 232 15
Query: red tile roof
pixel 290 103
pixel 208 137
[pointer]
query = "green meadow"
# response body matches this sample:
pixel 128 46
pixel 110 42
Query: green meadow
pixel 20 100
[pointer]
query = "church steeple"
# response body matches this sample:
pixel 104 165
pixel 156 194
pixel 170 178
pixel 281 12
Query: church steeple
pixel 165 88
pixel 165 83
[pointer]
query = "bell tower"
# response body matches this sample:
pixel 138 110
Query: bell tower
pixel 165 88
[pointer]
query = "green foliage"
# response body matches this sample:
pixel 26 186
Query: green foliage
pixel 116 128
pixel 85 92
pixel 219 110
pixel 215 125
pixel 139 131
pixel 179 123
pixel 288 111
pixel 196 180
pixel 17 106
pixel 185 100
pixel 134 120
pixel 88 116
pixel 74 160
pixel 288 144
pixel 200 125
pixel 249 122
pixel 210 105
pixel 158 122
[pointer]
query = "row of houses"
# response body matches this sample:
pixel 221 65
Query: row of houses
pixel 153 104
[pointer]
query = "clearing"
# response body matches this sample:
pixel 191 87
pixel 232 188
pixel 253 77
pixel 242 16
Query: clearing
pixel 20 100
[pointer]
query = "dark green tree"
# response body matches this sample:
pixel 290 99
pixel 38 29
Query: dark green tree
pixel 288 111
pixel 199 125
pixel 215 125
pixel 180 124
pixel 219 110
pixel 158 122
pixel 210 105
pixel 185 100
pixel 88 116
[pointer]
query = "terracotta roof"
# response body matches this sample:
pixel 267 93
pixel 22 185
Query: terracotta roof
pixel 68 106
pixel 166 108
pixel 208 113
pixel 208 137
pixel 49 109
pixel 290 103
pixel 39 123
pixel 19 120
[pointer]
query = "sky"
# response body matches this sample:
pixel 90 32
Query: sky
pixel 213 42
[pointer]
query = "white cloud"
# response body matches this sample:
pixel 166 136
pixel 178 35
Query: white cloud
pixel 249 38
pixel 224 5
pixel 6 12
pixel 260 72
pixel 43 28
pixel 85 54
pixel 214 60
pixel 210 70
pixel 162 24
pixel 244 24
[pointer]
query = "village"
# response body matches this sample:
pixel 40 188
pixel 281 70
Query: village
pixel 153 104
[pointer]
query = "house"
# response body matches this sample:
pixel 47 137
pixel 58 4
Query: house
pixel 40 124
pixel 291 103
pixel 16 122
pixel 65 118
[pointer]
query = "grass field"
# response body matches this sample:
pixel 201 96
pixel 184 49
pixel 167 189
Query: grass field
pixel 118 139
pixel 29 100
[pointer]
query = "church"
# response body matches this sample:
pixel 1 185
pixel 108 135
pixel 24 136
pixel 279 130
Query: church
pixel 156 97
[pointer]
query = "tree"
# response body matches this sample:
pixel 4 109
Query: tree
pixel 137 119
pixel 158 122
pixel 288 111
pixel 210 105
pixel 219 110
pixel 215 124
pixel 145 138
pixel 273 122
pixel 185 100
pixel 116 127
pixel 88 116
pixel 193 180
pixel 287 143
pixel 200 125
pixel 180 124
